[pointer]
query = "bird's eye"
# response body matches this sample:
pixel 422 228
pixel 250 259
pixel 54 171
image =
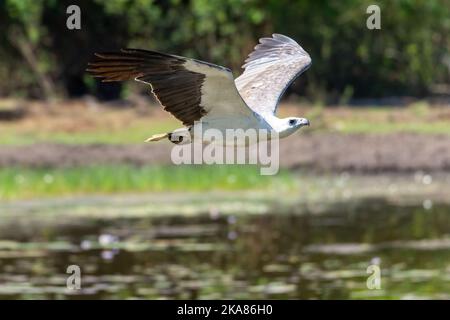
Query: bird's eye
pixel 292 122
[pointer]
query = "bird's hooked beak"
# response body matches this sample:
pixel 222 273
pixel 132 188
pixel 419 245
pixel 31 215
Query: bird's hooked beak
pixel 304 122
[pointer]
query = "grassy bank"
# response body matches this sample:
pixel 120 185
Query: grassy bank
pixel 75 122
pixel 135 131
pixel 22 183
pixel 227 182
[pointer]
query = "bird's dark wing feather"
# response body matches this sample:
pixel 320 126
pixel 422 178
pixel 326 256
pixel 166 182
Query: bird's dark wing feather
pixel 187 88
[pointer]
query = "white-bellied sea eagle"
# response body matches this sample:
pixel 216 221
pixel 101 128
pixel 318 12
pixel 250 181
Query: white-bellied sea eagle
pixel 200 92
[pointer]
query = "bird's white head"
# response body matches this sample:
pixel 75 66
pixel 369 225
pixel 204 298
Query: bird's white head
pixel 289 125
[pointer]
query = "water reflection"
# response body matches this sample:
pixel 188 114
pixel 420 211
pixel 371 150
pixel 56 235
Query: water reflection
pixel 246 256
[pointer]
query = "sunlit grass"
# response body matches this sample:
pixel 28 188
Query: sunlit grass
pixel 136 132
pixel 117 126
pixel 438 127
pixel 21 183
pixel 418 118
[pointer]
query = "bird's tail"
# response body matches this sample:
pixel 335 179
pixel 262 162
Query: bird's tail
pixel 179 136
pixel 158 137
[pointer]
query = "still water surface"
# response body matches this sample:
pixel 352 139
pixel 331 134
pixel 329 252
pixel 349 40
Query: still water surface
pixel 215 256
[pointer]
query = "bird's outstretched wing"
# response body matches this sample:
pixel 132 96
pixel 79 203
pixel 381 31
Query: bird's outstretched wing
pixel 269 70
pixel 189 89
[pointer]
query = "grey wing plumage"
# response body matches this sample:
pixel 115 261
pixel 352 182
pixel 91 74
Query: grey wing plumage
pixel 269 70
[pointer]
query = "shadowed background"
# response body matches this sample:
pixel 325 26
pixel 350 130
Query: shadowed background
pixel 408 56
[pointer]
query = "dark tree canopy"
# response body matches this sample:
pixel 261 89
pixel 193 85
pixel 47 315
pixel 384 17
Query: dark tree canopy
pixel 410 55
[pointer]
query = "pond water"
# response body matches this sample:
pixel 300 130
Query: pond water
pixel 215 256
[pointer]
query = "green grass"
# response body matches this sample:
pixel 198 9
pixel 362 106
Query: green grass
pixel 22 183
pixel 135 133
pixel 114 127
pixel 438 127
pixel 418 118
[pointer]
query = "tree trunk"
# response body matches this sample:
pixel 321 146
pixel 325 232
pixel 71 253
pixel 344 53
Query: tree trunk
pixel 25 47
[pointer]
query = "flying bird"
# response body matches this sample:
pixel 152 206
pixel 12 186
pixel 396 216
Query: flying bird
pixel 197 92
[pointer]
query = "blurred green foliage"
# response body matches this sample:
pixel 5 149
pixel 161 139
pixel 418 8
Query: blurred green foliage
pixel 408 56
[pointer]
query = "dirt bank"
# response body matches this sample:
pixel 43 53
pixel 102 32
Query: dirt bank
pixel 399 152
